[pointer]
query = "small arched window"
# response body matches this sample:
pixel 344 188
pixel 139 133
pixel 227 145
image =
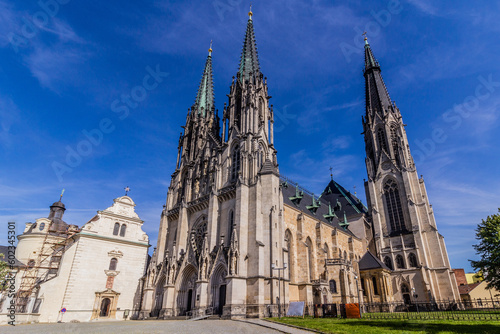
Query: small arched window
pixel 235 167
pixel 400 262
pixel 388 262
pixel 412 259
pixel 375 287
pixel 42 226
pixel 333 286
pixel 123 229
pixel 363 287
pixel 345 255
pixel 116 229
pixel 112 264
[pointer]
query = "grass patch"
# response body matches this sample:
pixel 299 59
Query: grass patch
pixel 361 326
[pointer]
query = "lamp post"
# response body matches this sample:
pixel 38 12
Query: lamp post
pixel 359 299
pixel 279 285
pixel 415 296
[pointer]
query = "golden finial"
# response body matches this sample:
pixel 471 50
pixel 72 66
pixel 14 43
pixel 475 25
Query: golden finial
pixel 210 49
pixel 62 193
pixel 250 12
pixel 366 38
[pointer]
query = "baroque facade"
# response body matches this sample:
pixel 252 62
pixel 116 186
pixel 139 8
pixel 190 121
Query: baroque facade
pixel 92 273
pixel 237 239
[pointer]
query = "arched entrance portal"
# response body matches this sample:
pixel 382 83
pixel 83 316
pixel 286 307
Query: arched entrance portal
pixel 158 302
pixel 218 289
pixel 105 304
pixel 187 291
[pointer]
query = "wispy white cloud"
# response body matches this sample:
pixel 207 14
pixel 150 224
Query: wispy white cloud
pixel 425 6
pixel 9 115
pixel 54 65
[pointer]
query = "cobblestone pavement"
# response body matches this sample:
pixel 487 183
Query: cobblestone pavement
pixel 140 327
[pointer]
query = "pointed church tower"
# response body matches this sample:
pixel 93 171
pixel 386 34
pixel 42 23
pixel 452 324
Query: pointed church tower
pixel 405 231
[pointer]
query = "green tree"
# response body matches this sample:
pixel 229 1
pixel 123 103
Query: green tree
pixel 488 234
pixel 4 270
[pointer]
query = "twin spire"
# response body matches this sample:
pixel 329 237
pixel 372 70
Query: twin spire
pixel 249 63
pixel 205 100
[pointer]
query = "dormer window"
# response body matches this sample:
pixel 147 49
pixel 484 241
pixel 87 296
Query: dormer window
pixel 298 196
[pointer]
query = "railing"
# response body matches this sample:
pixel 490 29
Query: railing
pixel 331 262
pixel 477 309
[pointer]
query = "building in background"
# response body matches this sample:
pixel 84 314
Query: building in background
pixel 81 274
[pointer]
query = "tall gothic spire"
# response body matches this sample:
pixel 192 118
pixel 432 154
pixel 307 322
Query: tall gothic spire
pixel 205 100
pixel 377 97
pixel 249 62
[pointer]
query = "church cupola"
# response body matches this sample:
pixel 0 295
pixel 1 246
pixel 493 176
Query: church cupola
pixel 57 209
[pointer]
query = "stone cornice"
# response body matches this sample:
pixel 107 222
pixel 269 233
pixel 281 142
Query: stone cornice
pixel 112 214
pixel 117 240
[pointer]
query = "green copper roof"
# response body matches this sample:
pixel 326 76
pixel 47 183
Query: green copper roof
pixel 315 205
pixel 330 215
pixel 205 98
pixel 249 62
pixel 370 60
pixel 344 224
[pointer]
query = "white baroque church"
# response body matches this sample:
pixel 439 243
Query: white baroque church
pixel 231 218
pixel 67 273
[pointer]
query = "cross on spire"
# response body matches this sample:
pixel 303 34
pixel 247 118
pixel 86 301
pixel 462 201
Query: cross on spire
pixel 331 172
pixel 127 189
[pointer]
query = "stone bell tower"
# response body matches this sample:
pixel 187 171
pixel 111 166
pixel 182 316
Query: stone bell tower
pixel 405 231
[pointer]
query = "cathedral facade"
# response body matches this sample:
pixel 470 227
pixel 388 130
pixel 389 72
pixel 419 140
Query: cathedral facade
pixel 238 239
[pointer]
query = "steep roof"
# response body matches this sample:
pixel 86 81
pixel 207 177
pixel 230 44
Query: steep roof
pixel 249 61
pixel 306 202
pixel 5 251
pixel 377 96
pixel 370 261
pixel 342 200
pixel 465 289
pixel 205 99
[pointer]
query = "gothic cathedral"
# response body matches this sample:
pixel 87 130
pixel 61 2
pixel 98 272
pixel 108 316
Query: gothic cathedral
pixel 238 239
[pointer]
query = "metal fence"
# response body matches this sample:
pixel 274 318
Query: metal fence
pixel 476 309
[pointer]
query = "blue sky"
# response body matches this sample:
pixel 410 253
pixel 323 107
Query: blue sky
pixel 65 75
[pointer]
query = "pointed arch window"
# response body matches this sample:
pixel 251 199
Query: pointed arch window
pixel 382 142
pixel 113 263
pixel 412 259
pixel 375 287
pixel 235 167
pixel 288 240
pixel 333 286
pixel 230 225
pixel 116 229
pixel 123 230
pixel 400 262
pixel 388 262
pixel 309 258
pixel 363 287
pixel 394 140
pixel 394 210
